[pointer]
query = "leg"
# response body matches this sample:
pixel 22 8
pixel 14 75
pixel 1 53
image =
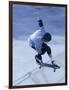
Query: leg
pixel 46 48
pixel 38 58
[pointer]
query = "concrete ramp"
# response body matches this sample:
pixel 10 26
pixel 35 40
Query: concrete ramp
pixel 46 75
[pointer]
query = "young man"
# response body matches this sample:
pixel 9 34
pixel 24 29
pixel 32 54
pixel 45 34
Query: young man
pixel 38 41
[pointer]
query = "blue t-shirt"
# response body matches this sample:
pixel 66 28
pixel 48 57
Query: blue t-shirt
pixel 36 39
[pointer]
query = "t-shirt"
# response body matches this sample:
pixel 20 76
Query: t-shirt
pixel 36 39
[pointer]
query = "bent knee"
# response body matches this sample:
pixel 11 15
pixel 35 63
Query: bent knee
pixel 38 56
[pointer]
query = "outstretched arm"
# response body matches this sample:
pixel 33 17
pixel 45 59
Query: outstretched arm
pixel 40 22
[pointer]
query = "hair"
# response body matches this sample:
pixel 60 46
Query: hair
pixel 47 37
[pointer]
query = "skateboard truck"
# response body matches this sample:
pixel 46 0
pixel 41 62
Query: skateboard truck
pixel 55 66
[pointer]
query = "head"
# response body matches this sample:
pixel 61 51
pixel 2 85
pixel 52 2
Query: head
pixel 47 37
pixel 40 22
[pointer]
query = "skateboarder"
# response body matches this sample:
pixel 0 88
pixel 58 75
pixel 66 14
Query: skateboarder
pixel 38 41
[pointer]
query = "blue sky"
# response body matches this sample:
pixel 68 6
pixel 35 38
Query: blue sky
pixel 25 20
